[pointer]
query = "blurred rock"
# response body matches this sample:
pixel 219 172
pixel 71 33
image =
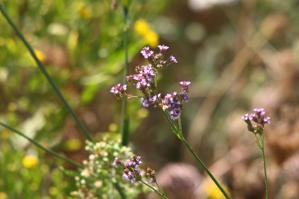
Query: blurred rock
pixel 247 181
pixel 179 181
pixel 206 4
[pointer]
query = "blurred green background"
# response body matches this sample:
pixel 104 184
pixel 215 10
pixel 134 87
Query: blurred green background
pixel 238 55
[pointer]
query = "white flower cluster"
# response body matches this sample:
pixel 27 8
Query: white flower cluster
pixel 98 176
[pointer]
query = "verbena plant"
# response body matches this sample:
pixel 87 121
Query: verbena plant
pixel 112 163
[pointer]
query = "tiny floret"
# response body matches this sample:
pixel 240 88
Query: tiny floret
pixel 173 59
pixel 163 47
pixel 119 90
pixel 146 52
pixel 185 85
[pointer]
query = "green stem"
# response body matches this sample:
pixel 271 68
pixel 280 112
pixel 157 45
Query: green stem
pixel 261 144
pixel 154 189
pixel 200 162
pixel 124 106
pixel 55 154
pixel 46 74
pixel 179 133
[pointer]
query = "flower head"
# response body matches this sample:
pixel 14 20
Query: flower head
pixel 144 78
pixel 30 161
pixel 143 29
pixel 131 168
pixel 185 85
pixel 119 90
pixel 146 52
pixel 257 120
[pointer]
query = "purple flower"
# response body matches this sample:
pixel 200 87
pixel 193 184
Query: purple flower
pixel 146 52
pixel 144 78
pixel 151 101
pixel 247 117
pixel 145 102
pixel 173 59
pixel 119 90
pixel 175 113
pixel 257 120
pixel 131 172
pixel 163 48
pixel 185 85
pixel 184 96
pixel 129 176
pixel 172 103
pixel 148 72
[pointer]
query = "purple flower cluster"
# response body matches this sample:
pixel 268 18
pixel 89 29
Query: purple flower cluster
pixel 144 77
pixel 171 102
pixel 131 168
pixel 131 171
pixel 152 101
pixel 146 52
pixel 257 120
pixel 144 80
pixel 157 58
pixel 119 90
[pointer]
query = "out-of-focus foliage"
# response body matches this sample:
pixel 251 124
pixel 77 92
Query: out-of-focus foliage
pixel 25 175
pixel 81 45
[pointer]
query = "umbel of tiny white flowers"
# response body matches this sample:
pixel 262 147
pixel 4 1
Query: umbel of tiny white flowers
pixel 145 81
pixel 256 120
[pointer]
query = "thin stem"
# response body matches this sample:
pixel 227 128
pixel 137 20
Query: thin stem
pixel 179 133
pixel 124 105
pixel 154 189
pixel 55 154
pixel 42 68
pixel 262 148
pixel 200 162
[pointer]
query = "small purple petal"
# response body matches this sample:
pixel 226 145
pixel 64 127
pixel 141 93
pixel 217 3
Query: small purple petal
pixel 146 52
pixel 173 59
pixel 163 48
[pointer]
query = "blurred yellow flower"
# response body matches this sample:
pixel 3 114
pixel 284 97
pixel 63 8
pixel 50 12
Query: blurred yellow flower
pixel 152 38
pixel 30 161
pixel 72 144
pixel 40 55
pixel 212 191
pixel 143 29
pixel 3 195
pixel 85 12
pixel 4 135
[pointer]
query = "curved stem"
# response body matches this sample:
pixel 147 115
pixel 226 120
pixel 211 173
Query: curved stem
pixel 154 189
pixel 179 133
pixel 55 154
pixel 42 68
pixel 201 163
